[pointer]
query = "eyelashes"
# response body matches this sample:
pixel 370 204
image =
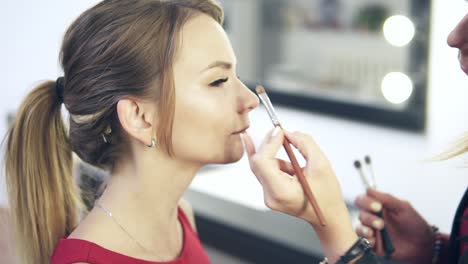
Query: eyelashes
pixel 218 82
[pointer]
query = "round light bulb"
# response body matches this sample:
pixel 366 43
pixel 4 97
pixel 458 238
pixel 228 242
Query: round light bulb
pixel 398 30
pixel 397 87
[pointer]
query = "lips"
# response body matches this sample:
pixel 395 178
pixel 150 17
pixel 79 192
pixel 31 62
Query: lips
pixel 463 58
pixel 241 131
pixel 464 66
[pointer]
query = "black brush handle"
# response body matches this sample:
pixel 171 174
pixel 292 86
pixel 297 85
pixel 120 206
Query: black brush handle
pixel 386 239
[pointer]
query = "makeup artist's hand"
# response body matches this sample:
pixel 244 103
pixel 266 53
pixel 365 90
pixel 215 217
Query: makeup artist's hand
pixel 283 192
pixel 410 233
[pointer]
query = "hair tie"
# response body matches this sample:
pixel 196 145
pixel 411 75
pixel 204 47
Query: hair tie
pixel 59 89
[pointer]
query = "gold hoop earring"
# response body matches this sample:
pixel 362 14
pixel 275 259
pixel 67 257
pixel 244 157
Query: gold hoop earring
pixel 153 143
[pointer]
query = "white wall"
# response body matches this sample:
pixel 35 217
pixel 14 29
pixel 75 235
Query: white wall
pixel 31 37
pixel 32 31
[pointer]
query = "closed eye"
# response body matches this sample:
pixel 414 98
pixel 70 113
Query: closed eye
pixel 218 82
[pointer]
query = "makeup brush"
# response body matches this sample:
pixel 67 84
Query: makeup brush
pixel 286 144
pixel 365 182
pixel 368 162
pixel 386 240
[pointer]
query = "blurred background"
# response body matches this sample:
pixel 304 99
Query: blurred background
pixel 331 48
pixel 363 77
pixel 365 59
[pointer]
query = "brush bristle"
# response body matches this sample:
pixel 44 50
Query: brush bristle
pixel 260 89
pixel 357 164
pixel 367 159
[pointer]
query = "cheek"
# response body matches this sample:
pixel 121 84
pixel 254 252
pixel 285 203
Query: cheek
pixel 201 128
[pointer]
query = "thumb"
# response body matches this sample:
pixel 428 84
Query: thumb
pixel 388 201
pixel 272 143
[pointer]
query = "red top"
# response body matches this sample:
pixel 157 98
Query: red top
pixel 464 233
pixel 76 250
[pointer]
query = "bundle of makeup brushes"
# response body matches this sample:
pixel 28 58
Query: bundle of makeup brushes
pixel 370 182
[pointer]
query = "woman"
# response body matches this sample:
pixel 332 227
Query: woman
pixel 414 239
pixel 152 95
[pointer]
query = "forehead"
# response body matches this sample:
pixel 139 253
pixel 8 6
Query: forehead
pixel 202 42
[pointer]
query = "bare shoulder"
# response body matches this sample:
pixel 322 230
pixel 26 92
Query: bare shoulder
pixel 188 211
pixel 95 228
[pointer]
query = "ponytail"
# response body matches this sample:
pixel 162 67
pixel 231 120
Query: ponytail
pixel 457 148
pixel 38 163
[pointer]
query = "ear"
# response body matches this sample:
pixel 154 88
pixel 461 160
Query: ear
pixel 137 119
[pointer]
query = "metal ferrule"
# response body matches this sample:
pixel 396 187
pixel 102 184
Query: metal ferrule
pixel 269 108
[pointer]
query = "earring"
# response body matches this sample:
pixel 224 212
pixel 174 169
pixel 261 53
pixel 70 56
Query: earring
pixel 153 143
pixel 106 134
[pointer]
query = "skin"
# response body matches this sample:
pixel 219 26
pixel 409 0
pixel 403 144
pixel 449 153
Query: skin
pixel 284 193
pixel 212 114
pixel 145 189
pixel 211 106
pixel 411 234
pixel 458 38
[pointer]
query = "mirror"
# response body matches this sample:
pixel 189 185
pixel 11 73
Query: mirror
pixel 361 59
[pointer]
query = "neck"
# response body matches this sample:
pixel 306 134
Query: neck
pixel 143 195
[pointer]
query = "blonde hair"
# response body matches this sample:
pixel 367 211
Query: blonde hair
pixel 457 148
pixel 114 50
pixel 42 197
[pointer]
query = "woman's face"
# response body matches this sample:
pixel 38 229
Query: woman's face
pixel 458 38
pixel 212 104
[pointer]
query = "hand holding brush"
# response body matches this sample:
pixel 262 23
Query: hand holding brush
pixel 316 198
pixel 383 237
pixel 411 236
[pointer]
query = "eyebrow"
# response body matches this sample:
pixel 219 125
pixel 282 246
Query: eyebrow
pixel 222 64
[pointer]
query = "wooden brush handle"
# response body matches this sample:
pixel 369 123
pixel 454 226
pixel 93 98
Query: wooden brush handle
pixel 386 239
pixel 303 181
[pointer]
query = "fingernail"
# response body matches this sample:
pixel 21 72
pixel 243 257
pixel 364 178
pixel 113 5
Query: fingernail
pixel 365 230
pixel 376 207
pixel 242 139
pixel 275 132
pixel 377 224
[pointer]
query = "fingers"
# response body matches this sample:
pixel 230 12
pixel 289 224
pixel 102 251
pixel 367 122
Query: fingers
pixel 370 220
pixel 372 242
pixel 372 236
pixel 309 150
pixel 286 167
pixel 365 232
pixel 304 143
pixel 271 143
pixel 388 201
pixel 368 203
pixel 248 144
pixel 378 244
pixel 263 162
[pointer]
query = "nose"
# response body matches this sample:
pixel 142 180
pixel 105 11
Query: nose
pixel 248 100
pixel 458 37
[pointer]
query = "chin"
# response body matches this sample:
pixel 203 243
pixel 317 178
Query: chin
pixel 233 155
pixel 237 157
pixel 237 152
